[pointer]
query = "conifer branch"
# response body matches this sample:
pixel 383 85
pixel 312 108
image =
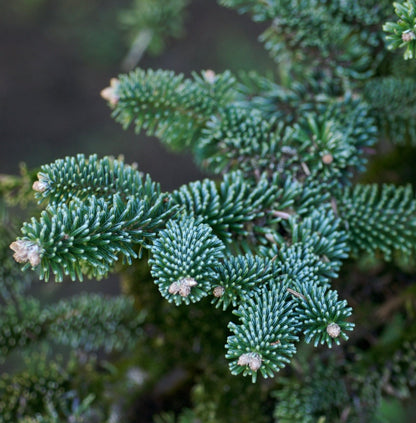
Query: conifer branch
pixel 380 219
pixel 172 107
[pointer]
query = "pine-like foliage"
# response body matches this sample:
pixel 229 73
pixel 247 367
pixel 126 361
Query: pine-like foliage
pixel 402 32
pixel 150 22
pixel 57 342
pixel 267 246
pixel 175 108
pixel 380 219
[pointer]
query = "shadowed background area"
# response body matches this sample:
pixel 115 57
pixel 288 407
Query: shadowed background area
pixel 56 58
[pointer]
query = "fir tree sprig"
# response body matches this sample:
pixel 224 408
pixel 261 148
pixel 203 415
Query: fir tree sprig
pixel 88 322
pixel 82 177
pixel 393 103
pixel 403 32
pixel 379 219
pixel 232 207
pixel 77 238
pixel 322 317
pixel 237 277
pixel 331 38
pixel 183 260
pixel 265 338
pixel 318 392
pixel 322 232
pixel 23 394
pixel 150 23
pixel 172 107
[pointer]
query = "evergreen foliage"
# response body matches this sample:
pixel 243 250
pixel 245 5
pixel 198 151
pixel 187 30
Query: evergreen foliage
pixel 150 22
pixel 264 238
pixel 82 177
pixel 175 108
pixel 403 31
pixel 380 219
pixel 183 259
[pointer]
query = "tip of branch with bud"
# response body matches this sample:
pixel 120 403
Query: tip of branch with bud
pixel 408 36
pixel 209 76
pixel 41 185
pixel 26 251
pixel 182 287
pixel 333 330
pixel 111 93
pixel 327 158
pixel 218 291
pixel 252 360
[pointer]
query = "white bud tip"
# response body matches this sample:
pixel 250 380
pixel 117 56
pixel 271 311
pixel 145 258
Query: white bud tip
pixel 40 186
pixel 408 36
pixel 327 159
pixel 182 287
pixel 218 291
pixel 111 93
pixel 209 76
pixel 252 360
pixel 184 290
pixel 174 288
pixel 26 251
pixel 189 282
pixel 333 330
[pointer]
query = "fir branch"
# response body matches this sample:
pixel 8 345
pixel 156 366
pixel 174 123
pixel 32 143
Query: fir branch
pixel 237 278
pixel 173 108
pixel 230 208
pixel 21 324
pixel 82 177
pixel 241 139
pixel 379 219
pixel 159 19
pixel 300 264
pixel 92 321
pixel 183 260
pixel 322 316
pixel 322 393
pixel 321 231
pixel 264 339
pixel 393 101
pixel 77 238
pixel 23 394
pixel 88 322
pixel 403 32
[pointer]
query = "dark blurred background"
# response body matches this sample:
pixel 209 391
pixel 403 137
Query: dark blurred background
pixel 56 56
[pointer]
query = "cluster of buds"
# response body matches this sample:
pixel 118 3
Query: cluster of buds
pixel 252 360
pixel 26 251
pixel 182 287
